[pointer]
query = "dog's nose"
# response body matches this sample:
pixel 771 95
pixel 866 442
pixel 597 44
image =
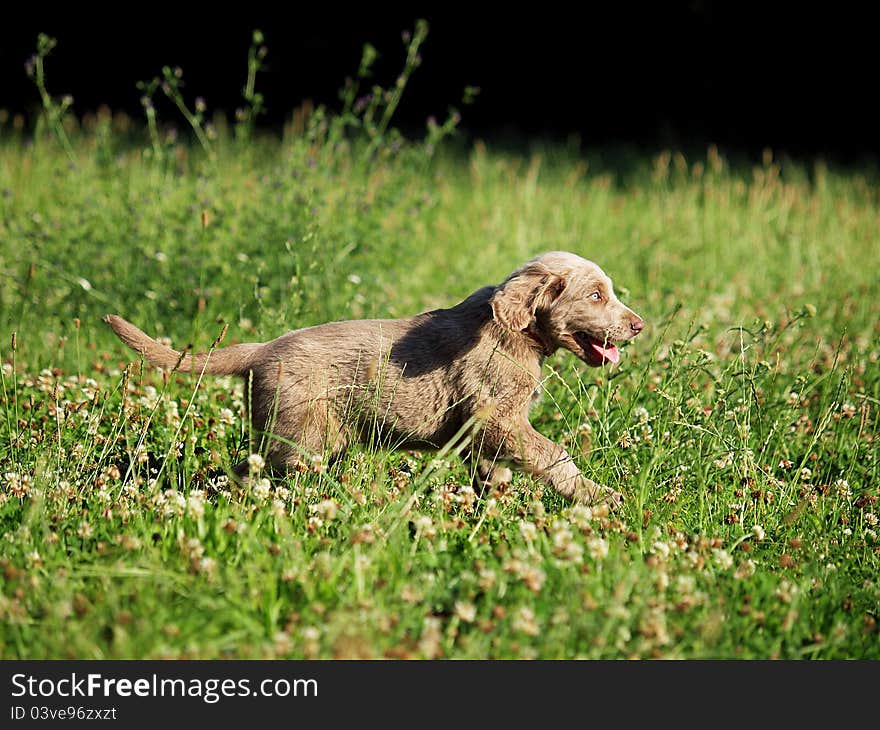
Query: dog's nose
pixel 636 325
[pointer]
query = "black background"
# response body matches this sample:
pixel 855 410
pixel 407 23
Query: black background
pixel 801 79
pixel 405 694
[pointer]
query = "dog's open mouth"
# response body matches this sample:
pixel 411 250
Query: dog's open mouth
pixel 596 352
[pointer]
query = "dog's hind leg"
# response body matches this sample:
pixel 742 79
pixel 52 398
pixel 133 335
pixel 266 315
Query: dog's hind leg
pixel 318 437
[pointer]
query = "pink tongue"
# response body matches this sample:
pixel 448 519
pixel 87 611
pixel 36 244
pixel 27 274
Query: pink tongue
pixel 606 353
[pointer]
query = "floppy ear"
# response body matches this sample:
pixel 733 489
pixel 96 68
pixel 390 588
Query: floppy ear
pixel 516 301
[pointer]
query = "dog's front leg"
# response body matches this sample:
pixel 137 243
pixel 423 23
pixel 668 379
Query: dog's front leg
pixel 535 454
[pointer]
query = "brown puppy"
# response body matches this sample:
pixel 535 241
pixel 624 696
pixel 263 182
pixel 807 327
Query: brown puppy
pixel 415 383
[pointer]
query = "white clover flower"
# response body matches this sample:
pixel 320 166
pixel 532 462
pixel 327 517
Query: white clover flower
pixel 533 577
pixel 326 509
pixel 661 549
pixel 278 510
pixel 424 526
pixel 255 463
pixel 429 641
pixel 661 581
pixel 195 504
pixel 685 584
pixel 653 625
pixel 564 545
pixel 207 565
pixel 722 558
pixel 282 643
pixel 745 569
pixel 173 502
pixel 598 548
pixel 262 488
pixel 572 552
pixel 311 633
pixel 410 594
pixel 580 515
pixel 465 611
pixel 870 519
pixel 193 548
pixel 18 484
pixel 524 621
pixel 528 530
pixel 487 578
pixel 150 397
pixel 227 417
pixel 758 532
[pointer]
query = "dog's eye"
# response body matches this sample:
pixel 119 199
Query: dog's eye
pixel 596 296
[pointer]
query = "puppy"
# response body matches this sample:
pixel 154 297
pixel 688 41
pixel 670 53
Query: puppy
pixel 421 382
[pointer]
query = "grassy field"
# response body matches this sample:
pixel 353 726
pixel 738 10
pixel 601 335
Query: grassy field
pixel 741 425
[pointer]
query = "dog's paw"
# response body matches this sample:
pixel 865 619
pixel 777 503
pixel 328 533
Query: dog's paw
pixel 488 478
pixel 611 497
pixel 596 494
pixel 499 475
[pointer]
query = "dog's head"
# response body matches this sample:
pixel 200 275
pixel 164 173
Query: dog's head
pixel 562 300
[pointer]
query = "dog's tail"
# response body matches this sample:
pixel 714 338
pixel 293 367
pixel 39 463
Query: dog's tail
pixel 234 360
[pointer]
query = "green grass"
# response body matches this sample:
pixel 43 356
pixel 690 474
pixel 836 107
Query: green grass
pixel 741 425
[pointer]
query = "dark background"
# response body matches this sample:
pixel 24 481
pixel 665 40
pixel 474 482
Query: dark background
pixel 802 80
